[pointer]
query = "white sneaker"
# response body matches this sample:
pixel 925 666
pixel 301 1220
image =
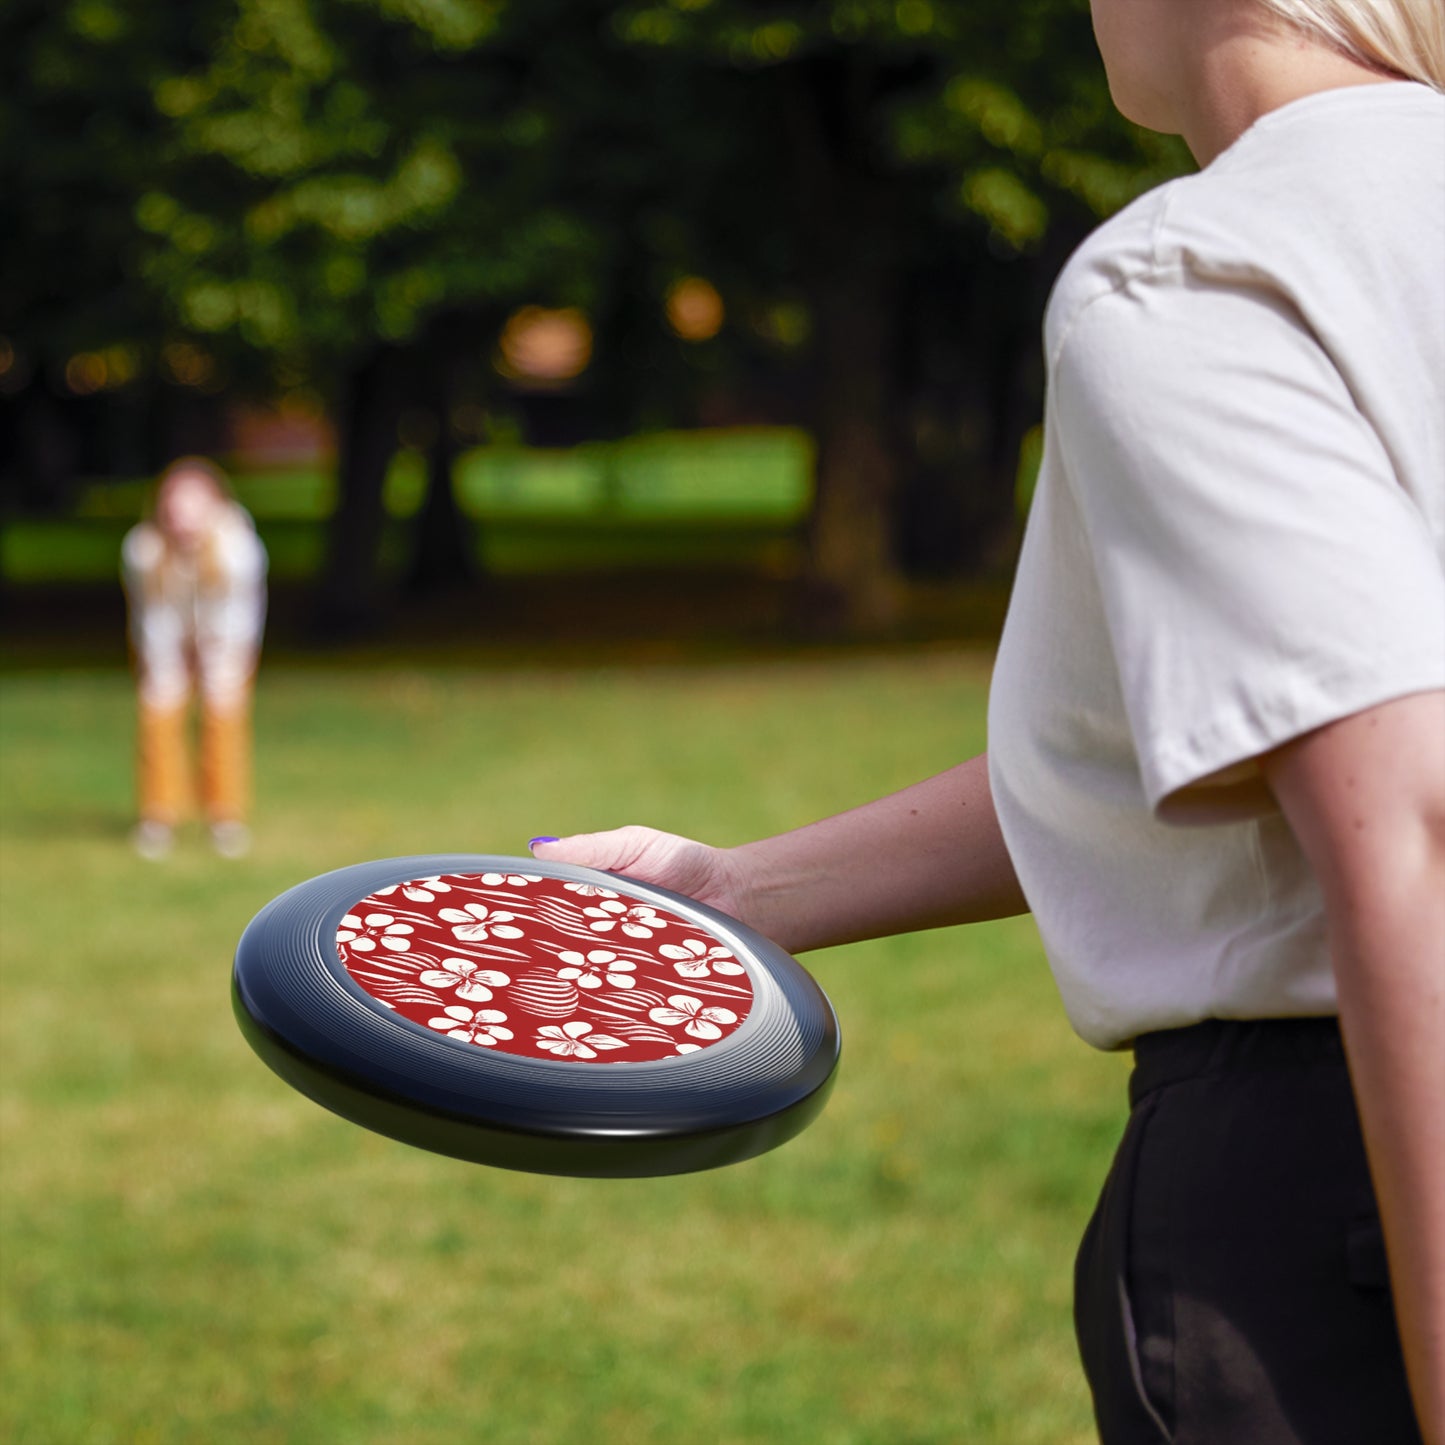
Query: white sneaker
pixel 152 840
pixel 231 839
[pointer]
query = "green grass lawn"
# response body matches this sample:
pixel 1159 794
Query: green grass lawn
pixel 192 1252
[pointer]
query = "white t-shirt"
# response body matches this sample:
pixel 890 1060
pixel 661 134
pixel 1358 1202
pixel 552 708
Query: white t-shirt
pixel 194 623
pixel 1238 536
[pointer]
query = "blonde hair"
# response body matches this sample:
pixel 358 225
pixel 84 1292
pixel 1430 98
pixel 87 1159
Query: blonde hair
pixel 1404 37
pixel 192 466
pixel 210 571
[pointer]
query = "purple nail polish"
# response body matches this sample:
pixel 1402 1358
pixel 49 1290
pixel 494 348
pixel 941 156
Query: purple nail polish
pixel 533 842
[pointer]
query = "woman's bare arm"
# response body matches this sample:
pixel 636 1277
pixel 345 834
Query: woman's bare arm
pixel 925 857
pixel 1366 799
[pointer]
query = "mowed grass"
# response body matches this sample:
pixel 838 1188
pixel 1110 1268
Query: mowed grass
pixel 192 1252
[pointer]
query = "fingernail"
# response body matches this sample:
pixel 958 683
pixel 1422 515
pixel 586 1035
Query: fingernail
pixel 533 842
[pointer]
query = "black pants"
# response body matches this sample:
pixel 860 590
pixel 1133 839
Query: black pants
pixel 1231 1288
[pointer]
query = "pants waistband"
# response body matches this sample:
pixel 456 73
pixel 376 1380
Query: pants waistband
pixel 1224 1046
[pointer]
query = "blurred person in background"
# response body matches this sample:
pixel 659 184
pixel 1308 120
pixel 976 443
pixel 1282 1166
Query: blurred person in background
pixel 195 583
pixel 1216 767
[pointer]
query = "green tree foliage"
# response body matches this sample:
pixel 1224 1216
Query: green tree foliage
pixel 936 162
pixel 347 170
pixel 1002 105
pixel 79 139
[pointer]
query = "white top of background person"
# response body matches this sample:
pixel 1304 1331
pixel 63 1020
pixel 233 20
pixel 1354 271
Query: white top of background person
pixel 1245 462
pixel 195 577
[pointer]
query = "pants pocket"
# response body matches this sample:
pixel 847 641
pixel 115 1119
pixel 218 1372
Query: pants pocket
pixel 1104 1315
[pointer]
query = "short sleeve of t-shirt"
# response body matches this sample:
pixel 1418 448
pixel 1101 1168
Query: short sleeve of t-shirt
pixel 1261 568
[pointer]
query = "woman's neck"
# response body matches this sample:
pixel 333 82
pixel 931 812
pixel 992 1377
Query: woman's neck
pixel 1244 70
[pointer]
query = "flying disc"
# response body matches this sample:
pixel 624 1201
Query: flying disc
pixel 535 1016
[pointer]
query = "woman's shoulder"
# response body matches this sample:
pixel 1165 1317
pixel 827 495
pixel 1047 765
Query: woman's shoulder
pixel 1117 253
pixel 1337 192
pixel 1194 229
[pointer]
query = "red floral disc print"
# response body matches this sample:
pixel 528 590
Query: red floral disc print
pixel 535 966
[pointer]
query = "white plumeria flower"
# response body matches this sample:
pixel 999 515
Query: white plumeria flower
pixel 702 1023
pixel 363 934
pixel 516 880
pixel 589 890
pixel 466 977
pixel 575 1040
pixel 636 922
pixel 688 1048
pixel 425 890
pixel 696 960
pixel 588 971
pixel 475 922
pixel 604 915
pixel 642 922
pixel 482 1027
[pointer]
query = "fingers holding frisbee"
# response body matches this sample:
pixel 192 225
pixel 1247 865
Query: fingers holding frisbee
pixel 667 860
pixel 535 1015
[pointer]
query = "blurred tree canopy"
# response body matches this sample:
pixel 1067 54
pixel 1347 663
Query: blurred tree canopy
pixel 351 196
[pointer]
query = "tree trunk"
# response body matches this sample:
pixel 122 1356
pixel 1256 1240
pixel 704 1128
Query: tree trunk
pixel 47 450
pixel 852 563
pixel 442 558
pixel 349 600
pixel 851 264
pixel 973 386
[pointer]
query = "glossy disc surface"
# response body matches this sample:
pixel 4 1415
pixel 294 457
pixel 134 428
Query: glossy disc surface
pixel 542 967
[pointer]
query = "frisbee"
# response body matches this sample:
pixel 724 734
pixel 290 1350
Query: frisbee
pixel 535 1016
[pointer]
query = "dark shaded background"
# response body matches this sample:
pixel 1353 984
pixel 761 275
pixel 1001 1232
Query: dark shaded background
pixel 305 236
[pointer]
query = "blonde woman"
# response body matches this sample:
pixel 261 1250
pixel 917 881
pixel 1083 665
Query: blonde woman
pixel 195 583
pixel 1217 734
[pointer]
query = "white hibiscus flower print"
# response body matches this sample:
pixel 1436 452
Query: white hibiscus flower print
pixel 482 1027
pixel 575 1040
pixel 636 922
pixel 588 972
pixel 515 880
pixel 469 980
pixel 696 960
pixel 702 1023
pixel 475 923
pixel 362 935
pixel 589 890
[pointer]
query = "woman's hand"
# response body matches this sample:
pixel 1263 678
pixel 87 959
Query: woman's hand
pixel 710 875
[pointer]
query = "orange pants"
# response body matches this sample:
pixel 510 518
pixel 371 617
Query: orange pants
pixel 163 762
